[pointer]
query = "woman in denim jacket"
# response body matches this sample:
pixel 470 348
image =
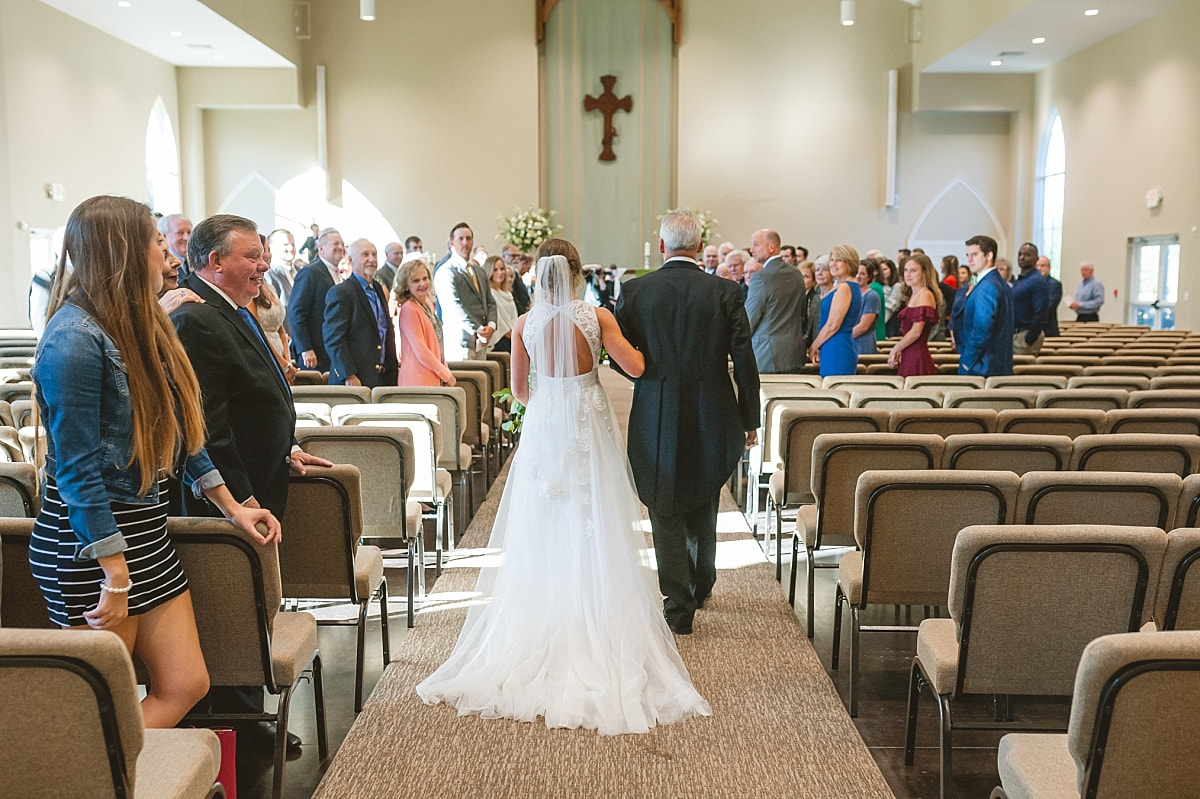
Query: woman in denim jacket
pixel 121 407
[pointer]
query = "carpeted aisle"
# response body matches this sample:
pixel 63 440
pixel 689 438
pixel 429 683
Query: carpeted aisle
pixel 778 728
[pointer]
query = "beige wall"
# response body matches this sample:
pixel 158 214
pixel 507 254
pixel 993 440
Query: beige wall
pixel 77 102
pixel 269 21
pixel 949 24
pixel 1130 108
pixel 782 120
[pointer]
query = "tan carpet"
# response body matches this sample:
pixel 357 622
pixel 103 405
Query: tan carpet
pixel 778 727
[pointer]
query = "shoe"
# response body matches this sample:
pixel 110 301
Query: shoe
pixel 260 736
pixel 679 626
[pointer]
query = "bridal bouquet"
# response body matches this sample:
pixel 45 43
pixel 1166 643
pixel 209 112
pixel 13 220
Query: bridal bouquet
pixel 707 223
pixel 528 229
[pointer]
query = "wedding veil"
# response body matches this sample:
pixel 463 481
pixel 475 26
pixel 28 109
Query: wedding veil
pixel 551 342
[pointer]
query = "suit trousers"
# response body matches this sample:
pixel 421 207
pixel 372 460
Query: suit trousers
pixel 1020 347
pixel 685 547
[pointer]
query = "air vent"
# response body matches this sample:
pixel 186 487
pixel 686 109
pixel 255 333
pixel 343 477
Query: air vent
pixel 200 46
pixel 1010 54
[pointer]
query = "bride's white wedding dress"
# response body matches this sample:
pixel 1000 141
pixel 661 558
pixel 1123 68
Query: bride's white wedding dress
pixel 570 626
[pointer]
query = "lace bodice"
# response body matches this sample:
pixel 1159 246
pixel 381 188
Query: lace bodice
pixel 582 314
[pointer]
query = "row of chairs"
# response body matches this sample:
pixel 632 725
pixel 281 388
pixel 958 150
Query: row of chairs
pixel 862 395
pixel 1034 382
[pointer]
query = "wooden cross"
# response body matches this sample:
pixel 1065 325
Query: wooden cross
pixel 608 104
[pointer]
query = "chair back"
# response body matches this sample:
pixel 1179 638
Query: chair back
pixel 451 402
pixel 1178 421
pixel 22 411
pixel 799 428
pixel 1153 398
pixel 799 381
pixel 236 592
pixel 896 400
pixel 307 377
pixel 943 421
pixel 15 392
pixel 72 721
pixel 6 417
pixel 838 459
pixel 1188 511
pixel 1027 599
pixel 944 382
pixel 426 436
pixel 1051 421
pixel 1009 452
pixel 1177 600
pixel 474 385
pixel 1101 399
pixel 998 399
pixel 19 495
pixel 1137 452
pixel 21 601
pixel 332 395
pixel 1123 382
pixel 1108 370
pixel 313 414
pixel 1027 382
pixel 505 361
pixel 1135 716
pixel 854 383
pixel 322 525
pixel 1136 499
pixel 386 462
pixel 905 523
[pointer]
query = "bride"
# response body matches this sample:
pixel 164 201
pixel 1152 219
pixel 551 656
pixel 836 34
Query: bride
pixel 569 626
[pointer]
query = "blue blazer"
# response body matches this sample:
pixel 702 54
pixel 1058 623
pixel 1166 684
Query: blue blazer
pixel 985 343
pixel 306 313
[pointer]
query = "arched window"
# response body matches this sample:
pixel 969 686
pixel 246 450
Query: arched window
pixel 162 162
pixel 1051 192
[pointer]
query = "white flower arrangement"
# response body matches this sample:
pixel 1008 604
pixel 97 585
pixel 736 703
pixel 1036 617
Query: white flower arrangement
pixel 528 229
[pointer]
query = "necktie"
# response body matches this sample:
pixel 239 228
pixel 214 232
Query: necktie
pixel 249 319
pixel 474 279
pixel 381 321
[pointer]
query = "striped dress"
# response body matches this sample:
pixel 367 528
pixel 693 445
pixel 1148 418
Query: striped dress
pixel 72 586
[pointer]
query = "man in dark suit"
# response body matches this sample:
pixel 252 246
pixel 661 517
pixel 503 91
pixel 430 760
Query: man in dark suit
pixel 248 410
pixel 465 296
pixel 1043 266
pixel 358 332
pixel 306 309
pixel 985 341
pixel 775 307
pixel 176 229
pixel 520 292
pixel 1031 301
pixel 687 428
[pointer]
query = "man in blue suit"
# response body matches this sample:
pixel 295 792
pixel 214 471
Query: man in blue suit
pixel 986 340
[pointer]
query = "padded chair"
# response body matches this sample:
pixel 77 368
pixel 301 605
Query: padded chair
pixel 880 369
pixel 997 399
pixel 1135 360
pixel 19 496
pixel 943 421
pixel 477 431
pixel 944 382
pixel 837 461
pixel 1188 511
pixel 324 559
pixel 6 417
pixel 1044 370
pixel 1177 421
pixel 891 399
pixel 22 411
pixel 21 602
pixel 246 641
pixel 1135 714
pixel 332 395
pixel 1136 499
pixel 800 381
pixel 1109 370
pixel 1027 382
pixel 1024 602
pixel 307 377
pixel 72 724
pixel 1153 398
pixel 1177 599
pixel 791 482
pixel 451 402
pixel 853 383
pixel 1009 452
pixel 1123 382
pixel 1137 452
pixel 1099 399
pixel 492 415
pixel 11 450
pixel 33 444
pixel 905 524
pixel 1070 359
pixel 313 414
pixel 1051 421
pixel 15 392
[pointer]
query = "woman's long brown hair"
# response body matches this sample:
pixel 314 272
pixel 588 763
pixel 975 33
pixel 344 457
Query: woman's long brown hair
pixel 107 243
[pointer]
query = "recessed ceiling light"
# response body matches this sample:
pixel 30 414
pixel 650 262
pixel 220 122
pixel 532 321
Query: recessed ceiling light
pixel 997 62
pixel 124 3
pixel 177 34
pixel 1039 39
pixel 1091 12
pixel 218 57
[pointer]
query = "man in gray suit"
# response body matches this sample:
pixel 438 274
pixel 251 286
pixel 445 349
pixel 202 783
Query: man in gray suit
pixel 468 309
pixel 393 256
pixel 775 306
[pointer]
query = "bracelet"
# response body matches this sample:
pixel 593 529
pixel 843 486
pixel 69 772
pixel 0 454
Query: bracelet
pixel 104 586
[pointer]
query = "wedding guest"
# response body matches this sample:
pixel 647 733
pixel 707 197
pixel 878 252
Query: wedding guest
pixel 712 259
pixel 985 340
pixel 502 280
pixel 865 330
pixel 309 248
pixel 413 249
pixel 960 303
pixel 949 289
pixel 306 309
pixel 775 308
pixel 822 285
pixel 282 274
pixel 385 276
pixel 1089 296
pixel 893 285
pixel 873 262
pixel 812 302
pixel 468 309
pixel 121 406
pixel 910 356
pixel 170 296
pixel 801 254
pixel 513 260
pixel 1056 295
pixel 833 349
pixel 724 250
pixel 358 332
pixel 420 331
pixel 271 314
pixel 949 270
pixel 788 253
pixel 736 261
pixel 177 229
pixel 723 272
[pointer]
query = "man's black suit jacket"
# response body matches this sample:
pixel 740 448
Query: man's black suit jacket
pixel 306 313
pixel 687 427
pixel 352 337
pixel 248 410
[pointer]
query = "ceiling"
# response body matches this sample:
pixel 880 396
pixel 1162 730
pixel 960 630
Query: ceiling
pixel 1061 22
pixel 206 39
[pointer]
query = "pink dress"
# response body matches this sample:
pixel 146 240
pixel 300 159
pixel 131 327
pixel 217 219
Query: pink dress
pixel 916 360
pixel 421 361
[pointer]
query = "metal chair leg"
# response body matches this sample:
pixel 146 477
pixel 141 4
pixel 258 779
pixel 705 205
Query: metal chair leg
pixel 383 622
pixel 914 698
pixel 792 579
pixel 319 704
pixel 811 572
pixel 836 654
pixel 412 577
pixel 361 654
pixel 281 720
pixel 944 743
pixel 855 661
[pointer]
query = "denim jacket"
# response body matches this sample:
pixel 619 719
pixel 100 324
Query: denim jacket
pixel 83 397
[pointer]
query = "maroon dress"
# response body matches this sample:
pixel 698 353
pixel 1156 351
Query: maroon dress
pixel 916 360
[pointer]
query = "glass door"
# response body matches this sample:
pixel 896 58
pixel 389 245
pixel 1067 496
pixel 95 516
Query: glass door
pixel 1154 265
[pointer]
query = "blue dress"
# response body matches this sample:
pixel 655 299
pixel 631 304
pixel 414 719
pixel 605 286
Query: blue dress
pixel 838 354
pixel 865 344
